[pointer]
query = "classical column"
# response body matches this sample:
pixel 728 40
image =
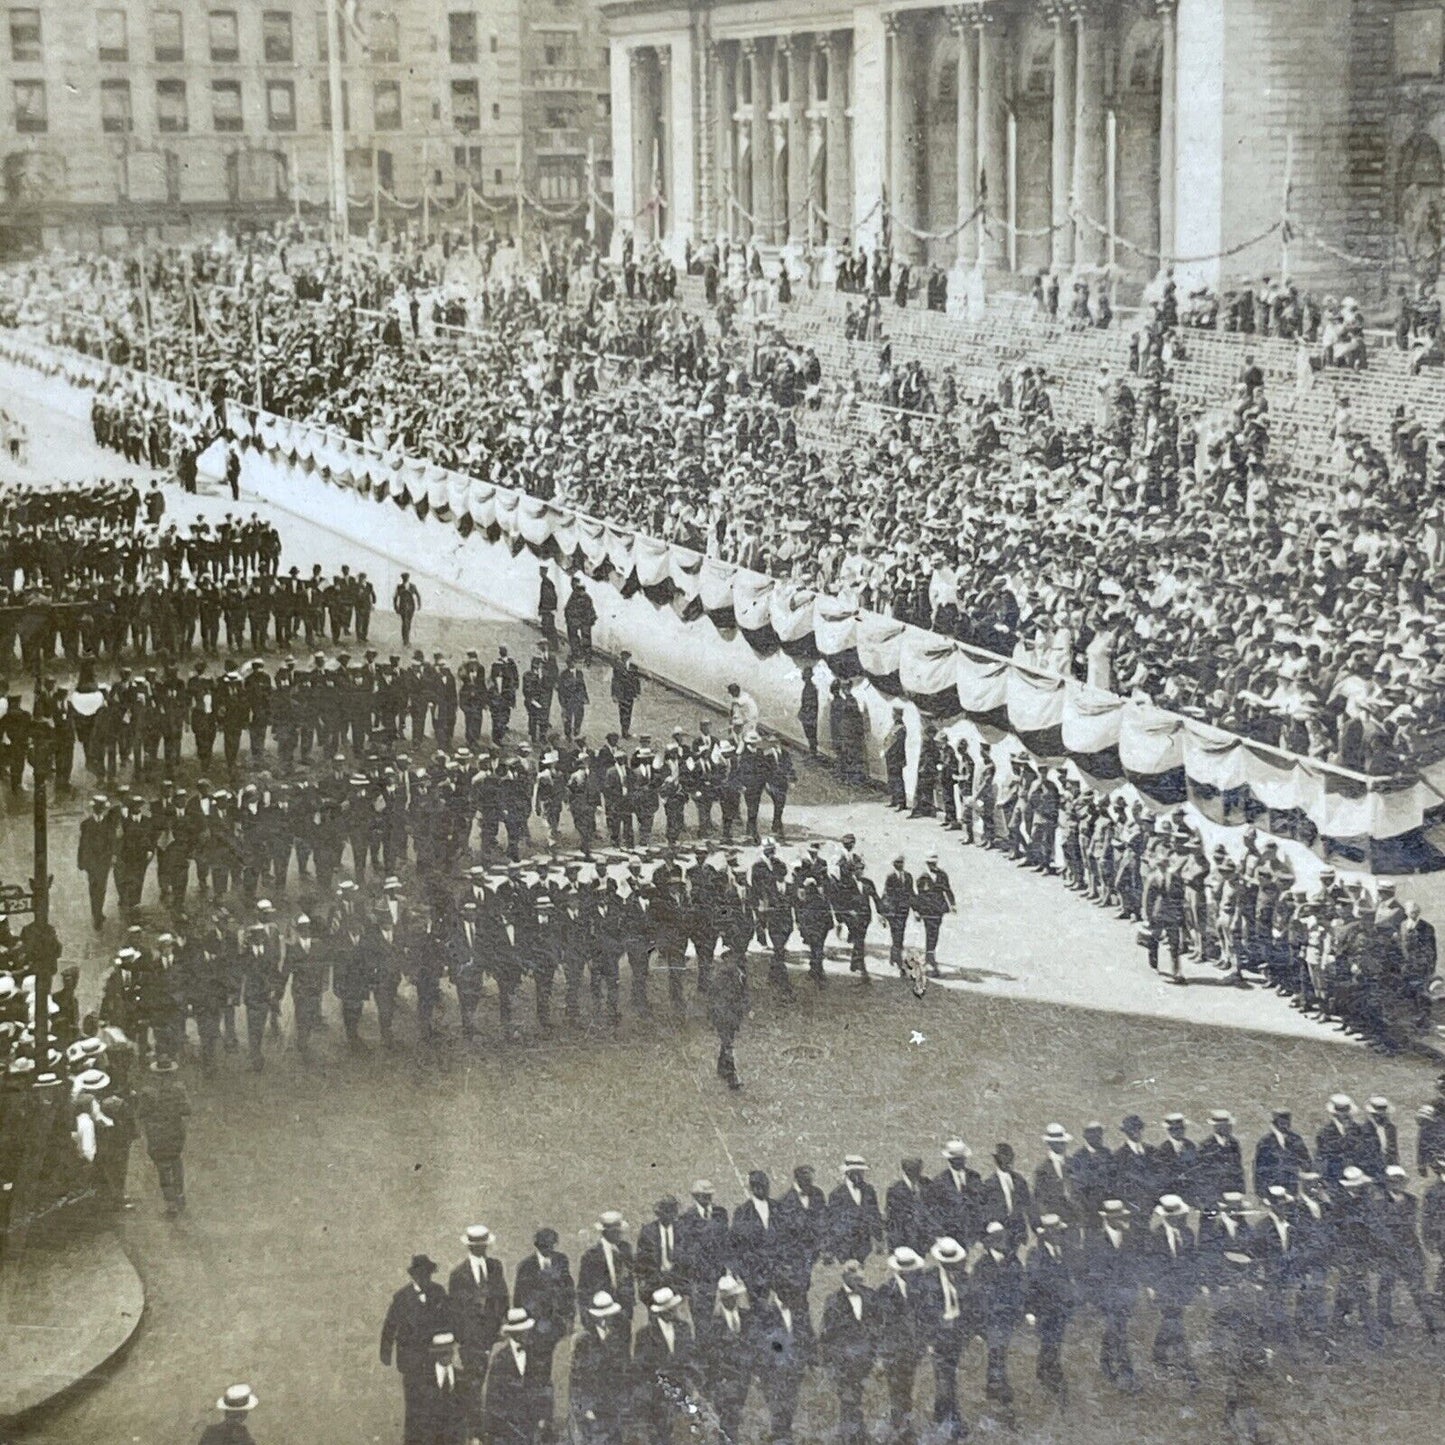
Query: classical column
pixel 868 96
pixel 680 130
pixel 960 21
pixel 667 159
pixel 902 137
pixel 993 183
pixel 799 52
pixel 1090 132
pixel 838 190
pixel 706 130
pixel 719 219
pixel 1062 180
pixel 1168 102
pixel 757 53
pixel 644 146
pixel 779 117
pixel 624 200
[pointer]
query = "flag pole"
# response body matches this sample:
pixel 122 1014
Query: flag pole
pixel 340 217
pixel 519 195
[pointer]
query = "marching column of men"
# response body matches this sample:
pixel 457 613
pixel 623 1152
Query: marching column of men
pixel 710 1309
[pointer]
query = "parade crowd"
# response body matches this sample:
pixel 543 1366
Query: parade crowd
pixel 1148 548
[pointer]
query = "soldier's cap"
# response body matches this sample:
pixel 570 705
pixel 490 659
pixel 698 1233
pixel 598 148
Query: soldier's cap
pixel 1354 1177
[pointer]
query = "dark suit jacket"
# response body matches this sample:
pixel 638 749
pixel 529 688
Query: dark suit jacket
pixel 477 1312
pixel 650 1273
pixel 1218 1170
pixel 441 1415
pixel 599 1380
pixel 702 1247
pixel 1051 1291
pixel 955 1212
pixel 592 1276
pixel 906 1212
pixel 1053 1194
pixel 1175 1278
pixel 410 1323
pixel 849 1346
pixel 548 1296
pixel 518 1407
pixel 853 1229
pixel 1336 1148
pixel 755 1250
pixel 1015 1220
pixel 664 1377
pixel 1376 1156
pixel 1277 1162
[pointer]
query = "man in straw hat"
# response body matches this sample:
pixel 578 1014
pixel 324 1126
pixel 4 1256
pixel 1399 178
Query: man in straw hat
pixel 601 1359
pixel 477 1301
pixel 164 1107
pixel 901 1340
pixel 608 1265
pixel 848 1345
pixel 447 1394
pixel 1111 1267
pixel 855 1223
pixel 235 1404
pixel 1050 1297
pixel 666 1368
pixel 518 1407
pixel 945 1310
pixel 726 1347
pixel 1173 1277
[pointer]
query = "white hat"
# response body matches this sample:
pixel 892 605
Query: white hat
pixel 665 1300
pixel 1341 1104
pixel 1057 1134
pixel 610 1219
pixel 518 1322
pixel 729 1285
pixel 957 1149
pixel 1355 1178
pixel 1172 1205
pixel 947 1251
pixel 854 1161
pixel 477 1234
pixel 904 1260
pixel 92 1081
pixel 603 1306
pixel 237 1399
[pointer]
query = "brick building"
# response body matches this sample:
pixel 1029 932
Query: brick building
pixel 1171 123
pixel 131 115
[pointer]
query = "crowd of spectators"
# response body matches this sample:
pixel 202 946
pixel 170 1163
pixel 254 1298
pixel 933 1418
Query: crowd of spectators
pixel 1151 549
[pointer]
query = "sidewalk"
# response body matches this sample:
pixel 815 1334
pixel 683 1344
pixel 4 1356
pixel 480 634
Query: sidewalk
pixel 73 1305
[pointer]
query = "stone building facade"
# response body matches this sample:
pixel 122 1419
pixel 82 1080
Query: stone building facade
pixel 1084 132
pixel 133 115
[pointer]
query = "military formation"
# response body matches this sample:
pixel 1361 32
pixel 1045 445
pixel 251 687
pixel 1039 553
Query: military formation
pixel 1217 1258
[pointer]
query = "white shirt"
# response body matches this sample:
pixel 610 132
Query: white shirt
pixel 761 1205
pixel 446 1380
pixel 733 1321
pixel 669 1333
pixel 520 1356
pixel 664 1246
pixel 609 1254
pixel 856 1302
pixel 479 1268
pixel 854 1191
pixel 1007 1185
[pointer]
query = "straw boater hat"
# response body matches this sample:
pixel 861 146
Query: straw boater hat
pixel 1057 1134
pixel 1355 1178
pixel 904 1260
pixel 237 1400
pixel 603 1306
pixel 947 1251
pixel 518 1322
pixel 477 1234
pixel 1171 1206
pixel 665 1301
pixel 854 1161
pixel 729 1286
pixel 92 1081
pixel 957 1149
pixel 443 1340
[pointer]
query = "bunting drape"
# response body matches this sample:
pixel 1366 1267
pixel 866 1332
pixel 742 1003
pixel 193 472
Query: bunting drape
pixel 1166 756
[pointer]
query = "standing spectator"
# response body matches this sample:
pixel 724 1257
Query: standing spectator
pixel 237 1402
pixel 626 688
pixel 417 1312
pixel 808 710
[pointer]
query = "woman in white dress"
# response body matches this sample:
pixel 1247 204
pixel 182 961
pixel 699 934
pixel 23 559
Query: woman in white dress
pixel 1099 658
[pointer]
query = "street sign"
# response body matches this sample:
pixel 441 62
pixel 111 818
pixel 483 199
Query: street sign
pixel 15 900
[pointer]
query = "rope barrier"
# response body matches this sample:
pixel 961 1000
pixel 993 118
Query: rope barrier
pixel 1163 258
pixel 957 230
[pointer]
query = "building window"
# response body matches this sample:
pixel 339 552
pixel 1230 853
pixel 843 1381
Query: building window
pixel 110 35
pixel 497 176
pixel 462 37
pixel 25 35
pixel 226 105
pixel 171 115
pixel 604 108
pixel 552 56
pixel 30 106
pixel 1419 37
pixel 492 43
pixel 558 117
pixel 466 105
pixel 276 46
pixel 384 38
pixel 168 36
pixel 496 110
pixel 326 105
pixel 115 116
pixel 323 38
pixel 386 105
pixel 224 37
pixel 280 105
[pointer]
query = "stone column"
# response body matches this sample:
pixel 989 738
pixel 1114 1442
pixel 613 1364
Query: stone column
pixel 644 147
pixel 719 218
pixel 960 21
pixel 667 159
pixel 624 200
pixel 779 126
pixel 1090 132
pixel 993 136
pixel 757 53
pixel 868 95
pixel 1062 179
pixel 1168 102
pixel 800 64
pixel 680 127
pixel 902 133
pixel 838 191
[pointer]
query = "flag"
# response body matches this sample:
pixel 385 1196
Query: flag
pixel 350 12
